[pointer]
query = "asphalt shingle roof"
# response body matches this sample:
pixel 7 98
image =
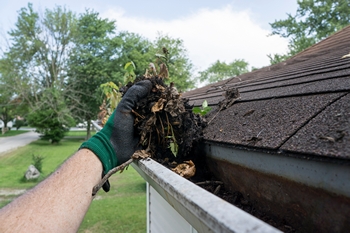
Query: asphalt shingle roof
pixel 301 105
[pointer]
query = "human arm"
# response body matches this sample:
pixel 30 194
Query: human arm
pixel 59 203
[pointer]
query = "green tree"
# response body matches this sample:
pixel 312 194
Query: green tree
pixel 220 71
pixel 52 117
pixel 179 65
pixel 92 62
pixel 6 111
pixel 38 58
pixel 314 20
pixel 135 48
pixel 11 105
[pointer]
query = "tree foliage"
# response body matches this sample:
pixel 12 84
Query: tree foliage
pixel 135 48
pixel 5 99
pixel 55 54
pixel 38 56
pixel 313 21
pixel 179 65
pixel 92 62
pixel 220 71
pixel 52 117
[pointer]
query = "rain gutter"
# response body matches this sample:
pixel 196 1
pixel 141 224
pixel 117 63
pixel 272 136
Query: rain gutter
pixel 326 175
pixel 204 211
pixel 179 203
pixel 309 193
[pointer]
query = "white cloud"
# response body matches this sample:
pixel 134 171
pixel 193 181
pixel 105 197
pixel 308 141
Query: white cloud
pixel 209 35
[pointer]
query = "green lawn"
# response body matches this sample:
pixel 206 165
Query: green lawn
pixel 14 164
pixel 79 133
pixel 12 133
pixel 122 209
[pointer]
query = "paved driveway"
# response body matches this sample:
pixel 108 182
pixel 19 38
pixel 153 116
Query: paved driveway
pixel 12 143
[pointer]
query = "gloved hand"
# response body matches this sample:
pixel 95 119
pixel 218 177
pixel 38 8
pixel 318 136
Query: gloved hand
pixel 116 142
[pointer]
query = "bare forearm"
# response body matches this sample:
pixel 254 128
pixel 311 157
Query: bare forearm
pixel 59 203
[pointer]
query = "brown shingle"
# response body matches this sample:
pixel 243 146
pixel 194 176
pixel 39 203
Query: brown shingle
pixel 290 106
pixel 266 123
pixel 328 134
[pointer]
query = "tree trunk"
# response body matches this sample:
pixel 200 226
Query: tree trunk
pixel 4 129
pixel 88 131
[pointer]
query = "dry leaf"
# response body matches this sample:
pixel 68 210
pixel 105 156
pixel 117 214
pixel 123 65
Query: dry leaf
pixel 186 169
pixel 158 106
pixel 141 154
pixel 160 88
pixel 163 73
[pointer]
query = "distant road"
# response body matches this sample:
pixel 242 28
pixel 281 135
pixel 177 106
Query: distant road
pixel 13 142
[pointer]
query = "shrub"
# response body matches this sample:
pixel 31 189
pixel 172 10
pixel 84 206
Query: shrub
pixel 38 162
pixel 51 117
pixel 19 123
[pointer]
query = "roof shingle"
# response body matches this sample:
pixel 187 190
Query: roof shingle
pixel 301 105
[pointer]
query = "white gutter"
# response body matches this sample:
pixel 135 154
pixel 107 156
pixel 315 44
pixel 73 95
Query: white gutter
pixel 204 211
pixel 333 177
pixel 175 204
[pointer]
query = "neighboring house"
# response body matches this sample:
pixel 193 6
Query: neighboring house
pixel 285 144
pixel 9 124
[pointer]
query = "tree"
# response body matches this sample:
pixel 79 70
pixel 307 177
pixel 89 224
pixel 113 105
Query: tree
pixel 142 52
pixel 93 61
pixel 313 21
pixel 57 54
pixel 38 56
pixel 10 104
pixel 220 71
pixel 6 110
pixel 134 48
pixel 179 65
pixel 52 117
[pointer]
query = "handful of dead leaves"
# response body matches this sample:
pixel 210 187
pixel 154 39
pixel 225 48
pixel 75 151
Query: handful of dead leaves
pixel 164 120
pixel 167 126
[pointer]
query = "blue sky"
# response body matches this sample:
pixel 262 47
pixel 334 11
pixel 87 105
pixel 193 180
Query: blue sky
pixel 211 30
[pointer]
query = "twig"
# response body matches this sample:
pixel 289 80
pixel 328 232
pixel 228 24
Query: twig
pixel 139 154
pixel 260 133
pixel 217 190
pixel 167 119
pixel 216 114
pixel 142 117
pixel 231 96
pixel 149 140
pixel 209 182
pixel 109 174
pixel 161 124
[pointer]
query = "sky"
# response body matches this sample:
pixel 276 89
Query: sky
pixel 211 30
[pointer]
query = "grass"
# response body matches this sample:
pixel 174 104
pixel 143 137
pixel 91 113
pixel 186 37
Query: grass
pixel 14 164
pixel 77 133
pixel 12 133
pixel 81 133
pixel 122 209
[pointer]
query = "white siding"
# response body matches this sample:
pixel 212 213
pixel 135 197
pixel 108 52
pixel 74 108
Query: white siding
pixel 162 217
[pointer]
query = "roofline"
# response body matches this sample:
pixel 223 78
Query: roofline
pixel 310 47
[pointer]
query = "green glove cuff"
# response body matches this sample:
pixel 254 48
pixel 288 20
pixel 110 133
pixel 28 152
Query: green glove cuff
pixel 103 149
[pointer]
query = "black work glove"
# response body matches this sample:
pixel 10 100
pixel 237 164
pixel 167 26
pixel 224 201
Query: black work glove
pixel 116 142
